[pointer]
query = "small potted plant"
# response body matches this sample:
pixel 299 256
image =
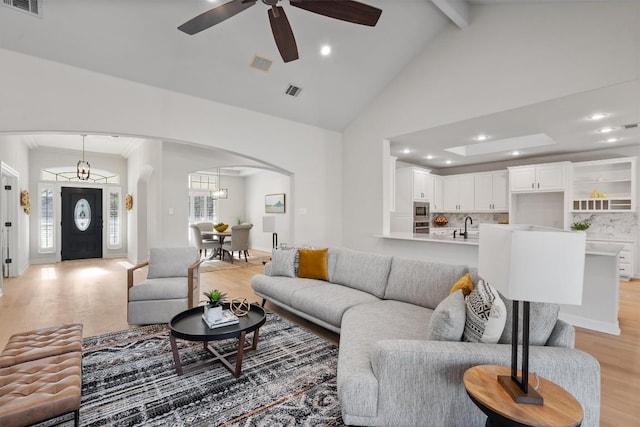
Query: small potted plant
pixel 581 225
pixel 213 309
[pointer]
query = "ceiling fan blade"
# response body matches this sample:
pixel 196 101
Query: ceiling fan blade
pixel 345 10
pixel 215 16
pixel 283 34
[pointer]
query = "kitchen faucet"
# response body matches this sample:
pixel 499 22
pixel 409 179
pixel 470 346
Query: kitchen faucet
pixel 466 233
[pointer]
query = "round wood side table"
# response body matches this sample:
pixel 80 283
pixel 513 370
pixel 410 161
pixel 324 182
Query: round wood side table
pixel 560 408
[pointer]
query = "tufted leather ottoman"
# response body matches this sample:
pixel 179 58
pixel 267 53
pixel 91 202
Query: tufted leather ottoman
pixel 40 343
pixel 41 389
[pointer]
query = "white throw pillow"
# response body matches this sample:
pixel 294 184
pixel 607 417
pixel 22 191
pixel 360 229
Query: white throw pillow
pixel 282 262
pixel 486 315
pixel 447 320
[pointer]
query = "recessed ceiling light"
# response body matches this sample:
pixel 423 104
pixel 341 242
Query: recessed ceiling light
pixel 481 137
pixel 606 129
pixel 406 151
pixel 515 153
pixel 325 50
pixel 448 162
pixel 428 157
pixel 597 116
pixel 610 140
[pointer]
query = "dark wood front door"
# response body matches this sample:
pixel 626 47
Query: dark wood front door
pixel 81 223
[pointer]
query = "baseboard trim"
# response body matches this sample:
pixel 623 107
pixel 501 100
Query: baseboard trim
pixel 595 325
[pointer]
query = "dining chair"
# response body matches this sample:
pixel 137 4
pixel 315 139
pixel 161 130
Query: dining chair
pixel 199 242
pixel 239 241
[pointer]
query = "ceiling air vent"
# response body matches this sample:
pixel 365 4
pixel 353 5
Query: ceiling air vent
pixel 261 63
pixel 33 7
pixel 630 126
pixel 293 90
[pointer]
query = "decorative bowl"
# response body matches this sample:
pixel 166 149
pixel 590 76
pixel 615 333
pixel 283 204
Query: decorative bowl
pixel 221 227
pixel 440 221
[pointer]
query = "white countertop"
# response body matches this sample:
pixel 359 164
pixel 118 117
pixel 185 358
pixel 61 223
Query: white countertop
pixel 473 240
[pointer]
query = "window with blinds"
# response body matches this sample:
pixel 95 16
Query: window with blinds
pixel 46 236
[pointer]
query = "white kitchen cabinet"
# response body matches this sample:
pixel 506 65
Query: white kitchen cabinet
pixel 422 185
pixel 411 182
pixel 437 204
pixel 539 178
pixel 491 192
pixel 626 257
pixel 458 193
pixel 605 185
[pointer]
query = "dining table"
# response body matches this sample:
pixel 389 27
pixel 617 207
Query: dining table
pixel 221 235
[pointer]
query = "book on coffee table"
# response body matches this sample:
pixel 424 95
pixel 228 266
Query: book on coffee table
pixel 228 318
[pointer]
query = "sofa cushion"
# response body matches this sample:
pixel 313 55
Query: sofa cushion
pixel 421 282
pixel 171 262
pixel 364 271
pixel 486 315
pixel 464 283
pixel 281 288
pixel 447 321
pixel 283 262
pixel 362 327
pixel 336 300
pixel 313 264
pixel 160 289
pixel 542 320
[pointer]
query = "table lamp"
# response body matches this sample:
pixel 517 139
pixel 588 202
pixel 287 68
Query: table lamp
pixel 269 226
pixel 530 264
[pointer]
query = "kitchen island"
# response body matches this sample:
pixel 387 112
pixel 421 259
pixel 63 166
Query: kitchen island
pixel 601 292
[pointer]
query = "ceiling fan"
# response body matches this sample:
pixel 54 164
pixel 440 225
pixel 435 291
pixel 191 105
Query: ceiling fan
pixel 344 10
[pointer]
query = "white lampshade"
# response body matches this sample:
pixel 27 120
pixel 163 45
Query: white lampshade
pixel 269 224
pixel 531 263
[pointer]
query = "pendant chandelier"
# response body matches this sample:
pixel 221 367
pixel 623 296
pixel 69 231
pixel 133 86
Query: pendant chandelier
pixel 83 170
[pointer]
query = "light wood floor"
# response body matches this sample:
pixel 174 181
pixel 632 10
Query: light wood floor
pixel 93 292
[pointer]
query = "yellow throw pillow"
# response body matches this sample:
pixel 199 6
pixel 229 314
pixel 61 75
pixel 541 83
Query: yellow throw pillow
pixel 465 283
pixel 313 264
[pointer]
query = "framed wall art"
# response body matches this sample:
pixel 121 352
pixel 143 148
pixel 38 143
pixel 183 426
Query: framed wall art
pixel 274 203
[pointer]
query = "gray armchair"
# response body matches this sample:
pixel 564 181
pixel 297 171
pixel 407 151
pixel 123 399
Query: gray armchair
pixel 172 285
pixel 239 241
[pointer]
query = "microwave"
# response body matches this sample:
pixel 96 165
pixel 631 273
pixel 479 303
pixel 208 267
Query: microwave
pixel 420 211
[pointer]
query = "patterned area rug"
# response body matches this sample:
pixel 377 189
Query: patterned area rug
pixel 217 265
pixel 129 379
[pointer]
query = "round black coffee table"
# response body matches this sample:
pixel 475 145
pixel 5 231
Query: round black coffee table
pixel 190 326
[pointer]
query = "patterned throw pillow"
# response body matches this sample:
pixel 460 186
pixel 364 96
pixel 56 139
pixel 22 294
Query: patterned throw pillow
pixel 447 320
pixel 486 315
pixel 296 262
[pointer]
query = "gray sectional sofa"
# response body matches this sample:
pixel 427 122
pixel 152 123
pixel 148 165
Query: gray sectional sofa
pixel 388 372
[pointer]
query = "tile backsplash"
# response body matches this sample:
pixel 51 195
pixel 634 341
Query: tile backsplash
pixel 456 220
pixel 612 225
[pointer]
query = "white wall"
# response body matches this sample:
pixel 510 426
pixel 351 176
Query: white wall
pixel 510 56
pixel 257 187
pixel 40 95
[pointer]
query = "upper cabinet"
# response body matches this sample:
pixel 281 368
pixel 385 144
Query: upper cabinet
pixel 491 192
pixel 437 204
pixel 539 178
pixel 605 185
pixel 458 193
pixel 422 185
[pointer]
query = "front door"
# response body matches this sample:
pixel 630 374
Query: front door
pixel 81 223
